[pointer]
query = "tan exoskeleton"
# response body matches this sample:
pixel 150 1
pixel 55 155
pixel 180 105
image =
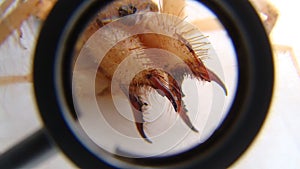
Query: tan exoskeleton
pixel 162 80
pixel 168 77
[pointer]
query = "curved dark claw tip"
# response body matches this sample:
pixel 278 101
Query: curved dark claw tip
pixel 147 140
pixel 215 78
pixel 140 128
pixel 194 129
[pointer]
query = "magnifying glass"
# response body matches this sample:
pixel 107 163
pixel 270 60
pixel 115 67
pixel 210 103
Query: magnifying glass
pixel 144 84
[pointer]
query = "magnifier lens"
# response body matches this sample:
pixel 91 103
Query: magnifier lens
pixel 152 80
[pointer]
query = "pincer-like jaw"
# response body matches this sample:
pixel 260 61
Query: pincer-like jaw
pixel 165 85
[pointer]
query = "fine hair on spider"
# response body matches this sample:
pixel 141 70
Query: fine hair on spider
pixel 148 50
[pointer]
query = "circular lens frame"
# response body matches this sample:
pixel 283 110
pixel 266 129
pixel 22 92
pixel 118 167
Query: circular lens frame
pixel 53 88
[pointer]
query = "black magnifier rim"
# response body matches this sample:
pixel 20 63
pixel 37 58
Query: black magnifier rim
pixel 248 111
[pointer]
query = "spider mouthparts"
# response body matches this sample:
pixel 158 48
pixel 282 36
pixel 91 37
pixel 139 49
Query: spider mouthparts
pixel 186 119
pixel 194 129
pixel 215 78
pixel 149 141
pixel 140 128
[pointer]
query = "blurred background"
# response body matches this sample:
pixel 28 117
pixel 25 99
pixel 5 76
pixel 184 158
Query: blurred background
pixel 276 146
